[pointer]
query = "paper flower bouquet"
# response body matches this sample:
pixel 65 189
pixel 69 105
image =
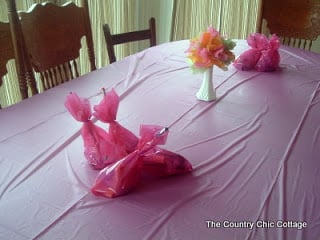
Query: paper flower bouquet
pixel 208 50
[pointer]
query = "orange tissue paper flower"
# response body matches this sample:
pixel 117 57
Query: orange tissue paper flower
pixel 210 49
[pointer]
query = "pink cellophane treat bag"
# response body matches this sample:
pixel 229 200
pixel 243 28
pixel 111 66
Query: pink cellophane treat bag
pixel 118 178
pixel 270 57
pixel 123 176
pixel 106 111
pixel 269 61
pixel 247 60
pixel 156 161
pixel 98 149
pixel 263 56
pixel 160 162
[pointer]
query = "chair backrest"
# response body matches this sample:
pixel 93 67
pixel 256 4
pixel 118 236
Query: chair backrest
pixel 52 37
pixel 11 47
pixel 297 22
pixel 6 48
pixel 114 39
pixel 23 67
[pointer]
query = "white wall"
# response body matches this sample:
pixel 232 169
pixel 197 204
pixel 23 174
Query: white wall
pixel 161 10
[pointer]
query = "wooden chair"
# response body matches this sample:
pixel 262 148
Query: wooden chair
pixel 6 49
pixel 114 39
pixel 52 38
pixel 297 22
pixel 10 50
pixel 15 42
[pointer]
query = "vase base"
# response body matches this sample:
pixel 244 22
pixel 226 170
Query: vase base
pixel 206 97
pixel 207 92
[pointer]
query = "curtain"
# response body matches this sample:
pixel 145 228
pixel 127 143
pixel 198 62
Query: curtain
pixel 233 18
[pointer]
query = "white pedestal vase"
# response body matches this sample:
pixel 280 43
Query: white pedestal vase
pixel 207 91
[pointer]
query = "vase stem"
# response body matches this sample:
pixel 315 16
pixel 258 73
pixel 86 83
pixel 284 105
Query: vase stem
pixel 207 91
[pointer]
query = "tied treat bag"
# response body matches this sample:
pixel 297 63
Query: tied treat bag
pixel 258 41
pixel 159 162
pixel 124 175
pixel 152 134
pixel 247 60
pixel 118 178
pixel 98 149
pixel 269 61
pixel 106 111
pixel 263 56
pixel 270 57
pixel 163 163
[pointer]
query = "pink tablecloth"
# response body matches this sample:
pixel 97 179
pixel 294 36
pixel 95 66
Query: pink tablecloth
pixel 255 152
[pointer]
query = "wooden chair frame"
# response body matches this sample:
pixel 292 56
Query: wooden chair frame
pixel 50 40
pixel 297 22
pixel 15 50
pixel 6 48
pixel 115 39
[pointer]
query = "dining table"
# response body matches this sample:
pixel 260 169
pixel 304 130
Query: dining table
pixel 254 150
